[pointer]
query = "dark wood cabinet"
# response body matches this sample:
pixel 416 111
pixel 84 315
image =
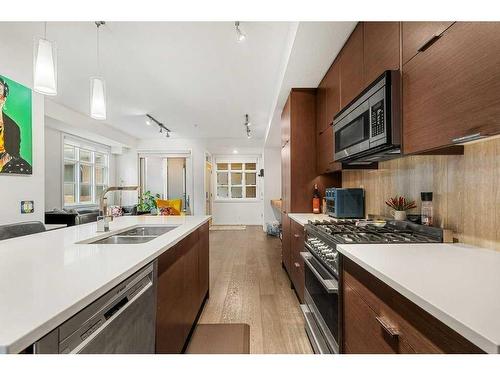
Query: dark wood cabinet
pixel 351 67
pixel 182 275
pixel 418 35
pixel 363 329
pixel 170 330
pixel 325 152
pixel 450 90
pixel 327 106
pixel 297 262
pixel 285 242
pixel 332 91
pixel 321 120
pixel 203 262
pixel 381 49
pixel 377 319
pixel 298 156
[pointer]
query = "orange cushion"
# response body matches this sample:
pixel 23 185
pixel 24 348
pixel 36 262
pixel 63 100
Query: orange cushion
pixel 169 207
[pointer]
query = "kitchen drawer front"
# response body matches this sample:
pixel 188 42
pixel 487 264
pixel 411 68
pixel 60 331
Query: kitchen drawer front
pixel 363 333
pixel 297 262
pixel 420 330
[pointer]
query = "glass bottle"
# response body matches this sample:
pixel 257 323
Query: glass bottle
pixel 316 200
pixel 427 208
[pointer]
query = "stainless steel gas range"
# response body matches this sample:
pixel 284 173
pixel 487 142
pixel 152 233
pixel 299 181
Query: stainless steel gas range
pixel 322 307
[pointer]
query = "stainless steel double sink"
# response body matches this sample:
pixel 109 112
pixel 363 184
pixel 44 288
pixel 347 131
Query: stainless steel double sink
pixel 136 235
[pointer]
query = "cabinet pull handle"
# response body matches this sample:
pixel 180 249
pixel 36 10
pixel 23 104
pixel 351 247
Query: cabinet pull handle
pixel 467 138
pixel 429 43
pixel 389 328
pixel 296 235
pixel 297 265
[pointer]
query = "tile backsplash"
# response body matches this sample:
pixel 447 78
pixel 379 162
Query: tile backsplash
pixel 466 189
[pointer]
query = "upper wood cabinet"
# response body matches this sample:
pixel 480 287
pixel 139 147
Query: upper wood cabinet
pixel 298 156
pixel 381 49
pixel 321 121
pixel 351 67
pixel 332 88
pixel 418 35
pixel 451 89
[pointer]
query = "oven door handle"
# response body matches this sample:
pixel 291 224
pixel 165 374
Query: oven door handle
pixel 331 285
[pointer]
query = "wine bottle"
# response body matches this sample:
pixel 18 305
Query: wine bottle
pixel 316 200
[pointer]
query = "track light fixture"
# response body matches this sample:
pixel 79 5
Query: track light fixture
pixel 247 127
pixel 150 120
pixel 240 35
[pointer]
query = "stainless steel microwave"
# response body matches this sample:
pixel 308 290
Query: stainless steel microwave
pixel 369 128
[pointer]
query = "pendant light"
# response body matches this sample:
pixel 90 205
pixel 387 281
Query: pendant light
pixel 45 66
pixel 98 87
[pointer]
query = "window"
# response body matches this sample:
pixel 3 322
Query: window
pixel 236 180
pixel 85 174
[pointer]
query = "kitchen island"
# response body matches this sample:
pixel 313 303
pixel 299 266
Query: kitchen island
pixel 48 277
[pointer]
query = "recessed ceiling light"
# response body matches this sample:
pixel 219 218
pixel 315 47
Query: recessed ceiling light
pixel 235 151
pixel 240 35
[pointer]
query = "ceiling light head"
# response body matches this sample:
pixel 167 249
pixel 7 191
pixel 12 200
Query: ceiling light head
pixel 240 35
pixel 235 151
pixel 168 134
pixel 98 87
pixel 45 66
pixel 149 122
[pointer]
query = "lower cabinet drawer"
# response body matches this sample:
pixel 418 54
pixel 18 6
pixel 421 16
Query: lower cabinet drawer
pixel 388 314
pixel 367 333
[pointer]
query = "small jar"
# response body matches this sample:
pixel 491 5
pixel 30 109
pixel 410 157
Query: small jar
pixel 427 208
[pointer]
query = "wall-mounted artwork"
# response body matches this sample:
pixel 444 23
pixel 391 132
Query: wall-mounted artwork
pixel 16 153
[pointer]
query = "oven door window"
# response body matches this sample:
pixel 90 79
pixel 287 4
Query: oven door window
pixel 357 131
pixel 327 304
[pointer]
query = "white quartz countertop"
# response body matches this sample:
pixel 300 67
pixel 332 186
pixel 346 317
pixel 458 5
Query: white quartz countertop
pixel 302 219
pixel 46 278
pixel 456 283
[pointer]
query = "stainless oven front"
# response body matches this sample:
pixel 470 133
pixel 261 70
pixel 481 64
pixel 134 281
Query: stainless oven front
pixel 321 306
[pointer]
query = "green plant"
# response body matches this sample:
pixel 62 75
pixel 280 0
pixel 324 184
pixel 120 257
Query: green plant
pixel 400 203
pixel 147 201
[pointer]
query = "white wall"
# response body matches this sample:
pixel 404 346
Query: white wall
pixel 155 175
pixel 53 169
pixel 272 182
pixel 243 213
pixel 14 189
pixel 127 173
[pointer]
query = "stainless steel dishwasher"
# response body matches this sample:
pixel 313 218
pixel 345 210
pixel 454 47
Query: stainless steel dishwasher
pixel 122 321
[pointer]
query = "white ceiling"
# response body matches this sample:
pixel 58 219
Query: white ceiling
pixel 182 73
pixel 315 46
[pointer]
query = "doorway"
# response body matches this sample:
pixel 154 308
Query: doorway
pixel 169 176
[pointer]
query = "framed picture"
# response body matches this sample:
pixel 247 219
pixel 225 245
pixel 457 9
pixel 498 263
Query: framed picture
pixel 16 152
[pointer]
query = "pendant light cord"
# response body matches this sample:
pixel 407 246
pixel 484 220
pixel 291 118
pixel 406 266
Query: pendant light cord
pixel 98 24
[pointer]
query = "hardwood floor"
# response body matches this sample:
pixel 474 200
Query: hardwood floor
pixel 248 285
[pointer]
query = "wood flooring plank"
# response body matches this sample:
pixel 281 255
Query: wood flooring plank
pixel 248 285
